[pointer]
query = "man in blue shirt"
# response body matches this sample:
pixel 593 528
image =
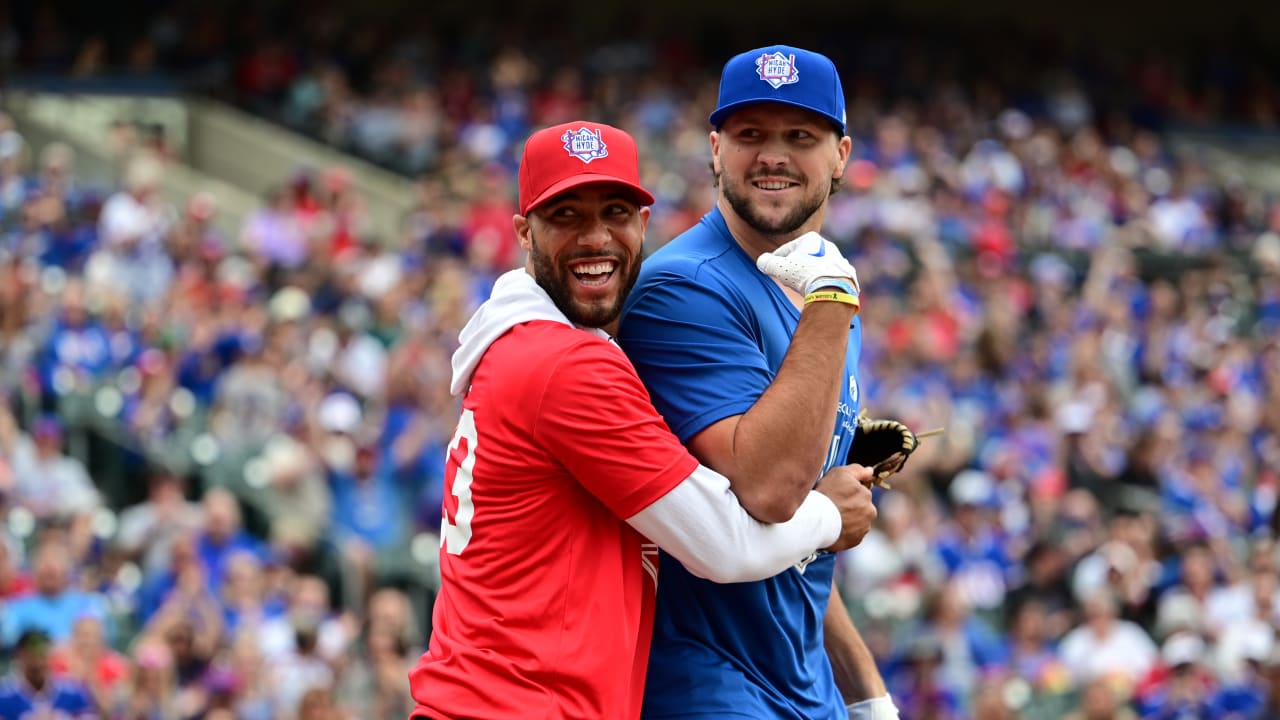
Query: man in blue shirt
pixel 30 691
pixel 56 604
pixel 759 379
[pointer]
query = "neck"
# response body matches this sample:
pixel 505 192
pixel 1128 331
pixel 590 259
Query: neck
pixel 753 241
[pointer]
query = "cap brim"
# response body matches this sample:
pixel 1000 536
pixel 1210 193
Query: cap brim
pixel 643 197
pixel 722 113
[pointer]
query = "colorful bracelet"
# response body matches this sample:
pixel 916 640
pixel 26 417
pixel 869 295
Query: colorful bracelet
pixel 833 296
pixel 844 286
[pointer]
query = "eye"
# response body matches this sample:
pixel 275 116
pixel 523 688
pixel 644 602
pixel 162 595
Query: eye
pixel 618 210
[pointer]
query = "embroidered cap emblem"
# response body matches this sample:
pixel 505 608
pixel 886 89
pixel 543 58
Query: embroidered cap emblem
pixel 584 144
pixel 777 69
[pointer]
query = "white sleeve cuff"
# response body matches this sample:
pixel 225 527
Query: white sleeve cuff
pixel 881 708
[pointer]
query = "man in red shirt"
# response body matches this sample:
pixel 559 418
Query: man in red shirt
pixel 562 480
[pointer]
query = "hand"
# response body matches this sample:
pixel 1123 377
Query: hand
pixel 808 263
pixel 848 486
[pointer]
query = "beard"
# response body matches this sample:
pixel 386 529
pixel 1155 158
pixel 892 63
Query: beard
pixel 756 219
pixel 557 281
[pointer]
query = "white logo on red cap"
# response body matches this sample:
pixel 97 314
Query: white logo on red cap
pixel 777 69
pixel 584 144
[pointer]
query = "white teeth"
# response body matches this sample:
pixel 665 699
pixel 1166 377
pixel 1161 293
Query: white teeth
pixel 598 268
pixel 773 185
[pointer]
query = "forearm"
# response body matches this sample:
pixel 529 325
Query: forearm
pixel 854 666
pixel 701 524
pixel 779 446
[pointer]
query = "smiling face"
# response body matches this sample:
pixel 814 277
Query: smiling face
pixel 775 165
pixel 585 250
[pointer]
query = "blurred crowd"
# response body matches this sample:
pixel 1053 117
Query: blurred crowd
pixel 221 457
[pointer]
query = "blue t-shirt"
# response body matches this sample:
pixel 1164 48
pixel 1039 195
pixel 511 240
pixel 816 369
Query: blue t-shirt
pixel 707 333
pixel 61 698
pixel 55 615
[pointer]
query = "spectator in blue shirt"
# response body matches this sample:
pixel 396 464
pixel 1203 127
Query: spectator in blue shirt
pixel 971 547
pixel 223 536
pixel 55 606
pixel 30 691
pixel 369 518
pixel 367 508
pixel 78 342
pixel 1247 697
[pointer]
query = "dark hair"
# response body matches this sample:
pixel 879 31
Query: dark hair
pixel 32 637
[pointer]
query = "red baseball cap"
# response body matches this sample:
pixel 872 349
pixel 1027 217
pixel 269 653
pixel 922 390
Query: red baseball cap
pixel 578 153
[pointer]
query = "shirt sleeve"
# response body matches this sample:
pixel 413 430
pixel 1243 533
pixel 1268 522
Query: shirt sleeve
pixel 701 524
pixel 697 352
pixel 596 419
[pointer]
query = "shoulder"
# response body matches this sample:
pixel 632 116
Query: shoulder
pixel 697 250
pixel 542 346
pixel 592 361
pixel 543 357
pixel 682 284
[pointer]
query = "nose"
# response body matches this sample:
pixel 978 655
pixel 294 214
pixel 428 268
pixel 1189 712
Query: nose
pixel 595 234
pixel 773 153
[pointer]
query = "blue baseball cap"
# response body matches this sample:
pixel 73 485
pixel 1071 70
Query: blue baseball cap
pixel 781 74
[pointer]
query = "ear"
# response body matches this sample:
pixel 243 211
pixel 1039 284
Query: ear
pixel 523 234
pixel 844 147
pixel 645 213
pixel 715 152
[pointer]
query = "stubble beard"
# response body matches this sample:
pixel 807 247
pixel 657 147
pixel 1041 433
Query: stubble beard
pixel 596 313
pixel 782 229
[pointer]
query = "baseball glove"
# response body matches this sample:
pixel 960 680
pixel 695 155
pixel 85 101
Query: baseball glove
pixel 883 446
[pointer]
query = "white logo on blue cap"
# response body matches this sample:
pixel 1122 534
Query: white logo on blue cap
pixel 585 144
pixel 777 69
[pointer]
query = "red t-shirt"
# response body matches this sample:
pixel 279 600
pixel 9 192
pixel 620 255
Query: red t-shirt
pixel 546 608
pixel 17 586
pixel 110 669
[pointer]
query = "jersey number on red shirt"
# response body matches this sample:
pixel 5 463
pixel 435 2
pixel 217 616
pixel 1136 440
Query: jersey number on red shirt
pixel 455 536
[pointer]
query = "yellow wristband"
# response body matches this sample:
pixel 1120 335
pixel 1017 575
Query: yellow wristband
pixel 832 296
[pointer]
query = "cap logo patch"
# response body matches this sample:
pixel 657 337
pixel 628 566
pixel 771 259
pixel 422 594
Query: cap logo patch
pixel 777 69
pixel 584 144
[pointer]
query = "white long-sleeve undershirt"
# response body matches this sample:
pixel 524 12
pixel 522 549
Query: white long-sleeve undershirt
pixel 701 523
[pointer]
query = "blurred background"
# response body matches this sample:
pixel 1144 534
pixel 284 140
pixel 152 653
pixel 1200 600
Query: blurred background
pixel 237 242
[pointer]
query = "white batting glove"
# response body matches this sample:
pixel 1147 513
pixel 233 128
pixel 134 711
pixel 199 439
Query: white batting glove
pixel 808 263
